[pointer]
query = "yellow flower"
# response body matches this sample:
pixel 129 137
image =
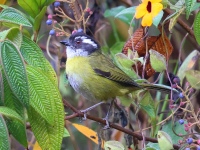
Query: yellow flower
pixel 148 9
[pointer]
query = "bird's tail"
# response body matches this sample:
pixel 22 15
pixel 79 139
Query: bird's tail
pixel 159 87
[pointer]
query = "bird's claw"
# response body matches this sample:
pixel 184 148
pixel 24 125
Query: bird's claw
pixel 84 115
pixel 107 126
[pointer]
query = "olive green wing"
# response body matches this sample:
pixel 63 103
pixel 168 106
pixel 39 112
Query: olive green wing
pixel 104 66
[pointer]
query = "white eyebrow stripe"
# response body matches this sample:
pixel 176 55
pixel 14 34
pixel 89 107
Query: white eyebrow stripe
pixel 89 41
pixel 80 37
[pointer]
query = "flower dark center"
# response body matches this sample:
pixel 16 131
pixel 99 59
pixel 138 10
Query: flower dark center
pixel 149 6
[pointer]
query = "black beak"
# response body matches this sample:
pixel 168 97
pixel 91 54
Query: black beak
pixel 66 43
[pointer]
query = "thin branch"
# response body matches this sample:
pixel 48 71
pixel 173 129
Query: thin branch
pixel 77 113
pixel 181 23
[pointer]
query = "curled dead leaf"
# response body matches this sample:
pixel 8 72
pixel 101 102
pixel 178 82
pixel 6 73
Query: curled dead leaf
pixel 159 43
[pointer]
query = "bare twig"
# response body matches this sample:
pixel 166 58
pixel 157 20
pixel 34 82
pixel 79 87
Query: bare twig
pixel 77 113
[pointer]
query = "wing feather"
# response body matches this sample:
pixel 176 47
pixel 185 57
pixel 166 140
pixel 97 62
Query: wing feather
pixel 109 70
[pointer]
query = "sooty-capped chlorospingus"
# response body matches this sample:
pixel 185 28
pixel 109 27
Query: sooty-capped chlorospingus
pixel 95 76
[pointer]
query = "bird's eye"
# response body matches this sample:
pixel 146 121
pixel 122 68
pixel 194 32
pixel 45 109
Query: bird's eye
pixel 78 42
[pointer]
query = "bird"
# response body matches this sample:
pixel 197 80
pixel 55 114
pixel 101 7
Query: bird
pixel 94 75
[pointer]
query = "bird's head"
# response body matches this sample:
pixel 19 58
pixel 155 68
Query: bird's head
pixel 80 44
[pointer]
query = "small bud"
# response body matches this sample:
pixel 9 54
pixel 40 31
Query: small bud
pixel 88 10
pixel 191 90
pixel 74 31
pixel 50 16
pixel 186 129
pixel 171 106
pixel 182 103
pixel 174 86
pixel 198 141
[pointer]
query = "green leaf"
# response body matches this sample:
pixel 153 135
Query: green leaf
pixel 156 19
pixel 173 20
pixel 15 71
pixel 49 136
pixel 13 34
pixel 189 5
pixel 34 56
pixel 126 15
pixel 38 19
pixel 7 112
pixel 14 16
pixel 164 141
pixel 33 8
pixel 114 145
pixel 177 128
pixel 116 48
pixel 155 146
pixel 66 133
pixel 124 63
pixel 1 89
pixel 157 60
pixel 114 11
pixel 188 64
pixel 147 104
pixel 16 128
pixel 42 95
pixel 150 148
pixel 4 136
pixel 3 34
pixel 196 27
pixel 3 6
pixel 193 77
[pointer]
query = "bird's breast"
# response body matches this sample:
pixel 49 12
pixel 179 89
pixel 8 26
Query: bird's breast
pixel 86 82
pixel 79 74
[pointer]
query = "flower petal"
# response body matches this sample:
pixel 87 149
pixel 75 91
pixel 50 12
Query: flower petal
pixel 155 1
pixel 156 8
pixel 147 20
pixel 141 10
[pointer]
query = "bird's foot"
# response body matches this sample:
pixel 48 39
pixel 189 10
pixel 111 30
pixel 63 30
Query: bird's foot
pixel 107 126
pixel 84 114
pixel 88 109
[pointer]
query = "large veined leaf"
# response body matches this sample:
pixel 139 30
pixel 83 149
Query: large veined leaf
pixel 14 16
pixel 13 34
pixel 42 95
pixel 1 90
pixel 3 34
pixel 16 128
pixel 15 71
pixel 9 113
pixel 33 56
pixel 189 5
pixel 4 136
pixel 49 136
pixel 196 27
